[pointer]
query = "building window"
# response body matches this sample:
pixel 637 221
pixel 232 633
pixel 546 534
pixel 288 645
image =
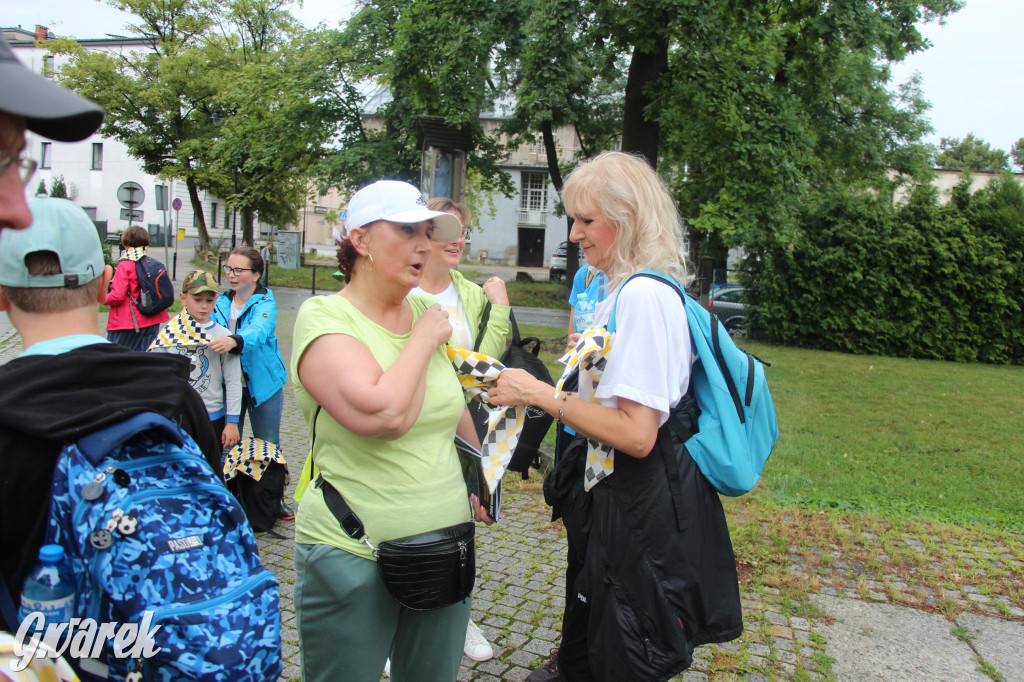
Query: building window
pixel 213 216
pixel 538 146
pixel 534 192
pixel 97 156
pixel 48 66
pixel 46 155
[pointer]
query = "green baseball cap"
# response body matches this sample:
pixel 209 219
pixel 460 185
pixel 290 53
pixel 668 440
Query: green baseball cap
pixel 58 226
pixel 198 281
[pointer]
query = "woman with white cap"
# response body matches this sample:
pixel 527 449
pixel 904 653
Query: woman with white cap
pixel 364 361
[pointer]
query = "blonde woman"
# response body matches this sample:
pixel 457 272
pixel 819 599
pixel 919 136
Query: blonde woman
pixel 652 581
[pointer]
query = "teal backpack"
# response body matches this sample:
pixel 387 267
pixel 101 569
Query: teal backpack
pixel 737 421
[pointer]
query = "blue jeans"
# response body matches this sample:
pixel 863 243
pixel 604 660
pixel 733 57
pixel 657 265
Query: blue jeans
pixel 266 417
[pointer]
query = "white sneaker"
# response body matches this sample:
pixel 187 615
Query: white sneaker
pixel 387 668
pixel 477 647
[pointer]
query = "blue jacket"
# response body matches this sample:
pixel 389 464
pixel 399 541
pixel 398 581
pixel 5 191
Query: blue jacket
pixel 262 365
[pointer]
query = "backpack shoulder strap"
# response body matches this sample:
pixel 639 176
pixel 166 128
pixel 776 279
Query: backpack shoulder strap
pixel 483 325
pixel 705 331
pixel 651 274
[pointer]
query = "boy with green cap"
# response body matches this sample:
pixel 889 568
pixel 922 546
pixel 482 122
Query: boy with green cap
pixel 217 377
pixel 69 380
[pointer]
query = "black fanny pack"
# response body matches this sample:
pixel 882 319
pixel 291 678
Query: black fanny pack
pixel 421 572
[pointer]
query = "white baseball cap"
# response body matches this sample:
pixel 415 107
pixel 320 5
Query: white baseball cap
pixel 398 202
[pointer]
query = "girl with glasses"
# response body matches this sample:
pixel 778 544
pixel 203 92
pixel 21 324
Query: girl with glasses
pixel 249 312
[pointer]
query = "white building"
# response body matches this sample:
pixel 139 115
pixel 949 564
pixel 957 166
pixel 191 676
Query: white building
pixel 95 168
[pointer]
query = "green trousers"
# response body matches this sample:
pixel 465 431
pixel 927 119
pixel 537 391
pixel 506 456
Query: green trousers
pixel 349 625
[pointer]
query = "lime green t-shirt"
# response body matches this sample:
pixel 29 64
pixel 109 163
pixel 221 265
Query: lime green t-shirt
pixel 397 487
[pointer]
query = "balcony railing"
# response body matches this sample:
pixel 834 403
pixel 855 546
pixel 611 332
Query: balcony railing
pixel 532 217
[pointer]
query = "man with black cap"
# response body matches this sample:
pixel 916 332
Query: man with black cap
pixel 32 102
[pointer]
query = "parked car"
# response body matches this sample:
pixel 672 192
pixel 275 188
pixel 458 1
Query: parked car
pixel 556 273
pixel 727 302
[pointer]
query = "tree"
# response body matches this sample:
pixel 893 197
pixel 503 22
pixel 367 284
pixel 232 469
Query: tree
pixel 971 154
pixel 1017 152
pixel 428 58
pixel 244 63
pixel 41 188
pixel 747 107
pixel 280 105
pixel 157 97
pixel 59 189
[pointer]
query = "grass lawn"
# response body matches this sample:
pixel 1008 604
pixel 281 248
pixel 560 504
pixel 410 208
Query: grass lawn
pixel 899 437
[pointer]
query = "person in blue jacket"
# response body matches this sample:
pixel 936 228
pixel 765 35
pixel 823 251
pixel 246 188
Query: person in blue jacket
pixel 249 312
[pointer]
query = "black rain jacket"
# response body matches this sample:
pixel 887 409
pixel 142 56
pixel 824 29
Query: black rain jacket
pixel 659 573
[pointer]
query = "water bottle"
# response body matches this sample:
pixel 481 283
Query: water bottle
pixel 49 589
pixel 583 312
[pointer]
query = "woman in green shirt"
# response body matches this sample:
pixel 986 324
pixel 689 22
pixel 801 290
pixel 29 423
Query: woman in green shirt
pixel 368 356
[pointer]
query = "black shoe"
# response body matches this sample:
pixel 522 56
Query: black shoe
pixel 284 512
pixel 548 672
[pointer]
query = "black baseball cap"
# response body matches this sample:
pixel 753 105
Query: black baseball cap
pixel 48 109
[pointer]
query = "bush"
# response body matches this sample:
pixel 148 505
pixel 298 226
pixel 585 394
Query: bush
pixel 59 188
pixel 918 280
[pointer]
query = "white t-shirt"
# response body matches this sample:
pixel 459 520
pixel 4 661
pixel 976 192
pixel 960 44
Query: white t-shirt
pixel 650 358
pixel 462 332
pixel 234 312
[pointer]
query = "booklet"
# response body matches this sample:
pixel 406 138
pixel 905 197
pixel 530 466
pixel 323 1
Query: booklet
pixel 471 460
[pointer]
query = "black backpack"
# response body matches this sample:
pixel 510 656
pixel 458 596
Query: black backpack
pixel 257 476
pixel 156 290
pixel 521 354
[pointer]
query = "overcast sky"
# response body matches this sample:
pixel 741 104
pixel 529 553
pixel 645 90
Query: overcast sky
pixel 973 75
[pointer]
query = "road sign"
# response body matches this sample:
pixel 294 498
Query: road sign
pixel 130 214
pixel 176 204
pixel 130 194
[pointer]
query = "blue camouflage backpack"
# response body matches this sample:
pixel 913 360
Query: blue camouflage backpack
pixel 737 424
pixel 155 538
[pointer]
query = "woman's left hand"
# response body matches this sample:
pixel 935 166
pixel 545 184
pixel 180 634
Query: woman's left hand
pixel 479 513
pixel 516 387
pixel 222 345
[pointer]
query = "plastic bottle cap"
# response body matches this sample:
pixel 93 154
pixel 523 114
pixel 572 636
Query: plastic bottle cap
pixel 51 553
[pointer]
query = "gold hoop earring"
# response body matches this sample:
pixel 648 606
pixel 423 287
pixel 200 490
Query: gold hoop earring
pixel 369 268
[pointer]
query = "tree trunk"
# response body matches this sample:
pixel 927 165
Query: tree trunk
pixel 572 260
pixel 197 209
pixel 248 219
pixel 639 134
